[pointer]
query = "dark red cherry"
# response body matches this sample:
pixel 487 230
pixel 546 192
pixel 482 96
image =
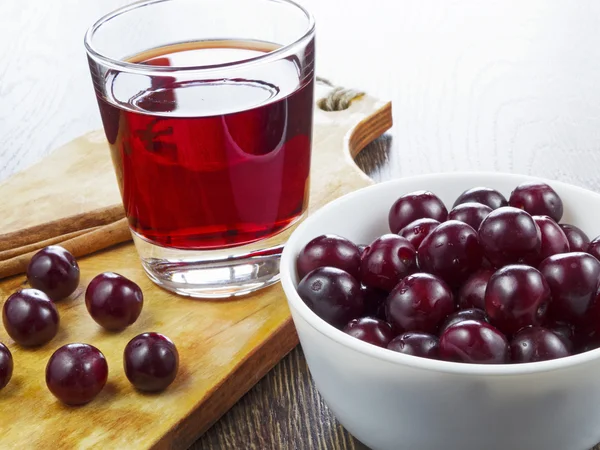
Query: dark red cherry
pixel 420 302
pixel 417 344
pixel 470 213
pixel 585 340
pixel 386 261
pixel 333 295
pixel 371 330
pixel 462 315
pixel 565 331
pixel 578 240
pixel 113 301
pixel 76 373
pixel 475 342
pixel 30 317
pixel 329 250
pixel 472 293
pixel 538 199
pixel 592 344
pixel 6 365
pixel 451 251
pixel 151 362
pixel 573 278
pixel 594 248
pixel 374 302
pixel 418 230
pixel 533 344
pixel 486 264
pixel 509 235
pixel 516 296
pixel 589 325
pixel 413 206
pixel 554 240
pixel 54 271
pixel 483 195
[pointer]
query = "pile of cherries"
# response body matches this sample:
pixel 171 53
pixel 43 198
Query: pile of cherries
pixel 77 372
pixel 490 282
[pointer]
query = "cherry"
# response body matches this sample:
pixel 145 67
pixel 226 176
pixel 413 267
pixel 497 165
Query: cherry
pixel 554 240
pixel 54 271
pixel 587 346
pixel 6 365
pixel 483 195
pixel 420 302
pixel 113 301
pixel 565 331
pixel 578 240
pixel 151 362
pixel 374 301
pixel 332 294
pixel 30 317
pixel 589 325
pixel 533 344
pixel 451 251
pixel 573 278
pixel 516 296
pixel 472 341
pixel 486 264
pixel 472 293
pixel 585 340
pixel 413 206
pixel 538 199
pixel 594 248
pixel 462 315
pixel 386 261
pixel 76 373
pixel 470 213
pixel 417 344
pixel 509 235
pixel 371 330
pixel 418 230
pixel 329 250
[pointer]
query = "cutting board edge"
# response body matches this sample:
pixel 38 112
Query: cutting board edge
pixel 368 129
pixel 223 396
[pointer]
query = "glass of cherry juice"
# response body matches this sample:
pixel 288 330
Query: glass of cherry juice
pixel 207 108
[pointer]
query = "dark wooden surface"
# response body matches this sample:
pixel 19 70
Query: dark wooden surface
pixel 500 85
pixel 283 411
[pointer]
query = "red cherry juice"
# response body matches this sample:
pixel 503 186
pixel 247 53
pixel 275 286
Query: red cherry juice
pixel 211 163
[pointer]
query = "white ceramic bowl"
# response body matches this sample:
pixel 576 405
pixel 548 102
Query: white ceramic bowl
pixel 394 401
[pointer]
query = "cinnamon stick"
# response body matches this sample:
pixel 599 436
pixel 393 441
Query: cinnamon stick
pixel 97 239
pixel 11 253
pixel 60 227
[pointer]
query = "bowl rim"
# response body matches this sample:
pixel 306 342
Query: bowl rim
pixel 287 268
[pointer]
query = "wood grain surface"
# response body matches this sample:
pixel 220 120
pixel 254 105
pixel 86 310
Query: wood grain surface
pixel 496 85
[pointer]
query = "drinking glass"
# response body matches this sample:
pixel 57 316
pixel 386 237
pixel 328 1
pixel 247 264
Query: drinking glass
pixel 207 108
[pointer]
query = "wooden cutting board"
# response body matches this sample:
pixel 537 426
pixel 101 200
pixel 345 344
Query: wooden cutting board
pixel 225 347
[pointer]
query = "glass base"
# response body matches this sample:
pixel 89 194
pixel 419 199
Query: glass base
pixel 214 274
